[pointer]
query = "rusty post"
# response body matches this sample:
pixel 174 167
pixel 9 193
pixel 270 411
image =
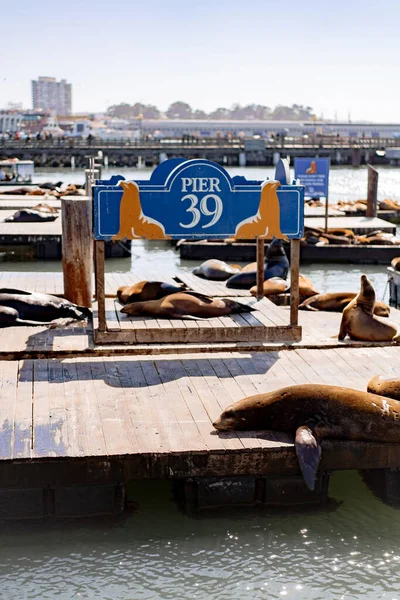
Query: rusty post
pixel 294 281
pixel 372 197
pixel 77 249
pixel 260 268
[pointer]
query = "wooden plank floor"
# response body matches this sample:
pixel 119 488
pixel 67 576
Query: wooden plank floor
pixel 358 224
pixel 162 409
pixel 265 322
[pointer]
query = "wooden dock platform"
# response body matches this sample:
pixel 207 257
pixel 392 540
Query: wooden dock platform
pixel 246 252
pixel 43 240
pixel 89 426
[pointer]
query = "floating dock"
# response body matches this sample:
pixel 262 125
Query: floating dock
pixel 42 240
pixel 78 420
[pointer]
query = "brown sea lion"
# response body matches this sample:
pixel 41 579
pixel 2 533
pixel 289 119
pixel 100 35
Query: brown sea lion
pixel 337 301
pixel 276 265
pixel 133 223
pixel 215 270
pixel 385 386
pixel 359 321
pixel 181 305
pixel 380 239
pixel 306 287
pixel 271 287
pixel 266 223
pixel 315 412
pixel 147 290
pixel 395 264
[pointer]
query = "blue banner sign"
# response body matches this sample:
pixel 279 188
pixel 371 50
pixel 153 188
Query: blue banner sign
pixel 196 199
pixel 313 174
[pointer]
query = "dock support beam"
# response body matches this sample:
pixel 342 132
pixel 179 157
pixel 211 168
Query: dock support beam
pixel 203 493
pixel 372 198
pixel 77 249
pixel 260 268
pixel 294 281
pixel 99 283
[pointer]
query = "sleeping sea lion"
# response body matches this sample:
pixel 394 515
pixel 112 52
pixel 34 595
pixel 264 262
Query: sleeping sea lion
pixel 359 321
pixel 306 287
pixel 181 305
pixel 32 306
pixel 9 317
pixel 215 270
pixel 395 264
pixel 29 215
pixel 276 265
pixel 315 412
pixel 147 290
pixel 385 386
pixel 271 287
pixel 337 301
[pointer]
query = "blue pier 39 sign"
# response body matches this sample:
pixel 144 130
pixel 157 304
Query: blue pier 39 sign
pixel 197 199
pixel 313 173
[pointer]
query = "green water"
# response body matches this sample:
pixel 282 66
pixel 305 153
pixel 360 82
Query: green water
pixel 350 551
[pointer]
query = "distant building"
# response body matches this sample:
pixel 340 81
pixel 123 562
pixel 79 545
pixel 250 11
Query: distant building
pixel 10 120
pixel 49 94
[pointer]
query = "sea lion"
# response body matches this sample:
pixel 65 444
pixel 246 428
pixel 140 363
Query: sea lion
pixel 28 215
pixel 266 223
pixel 276 265
pixel 337 301
pixel 147 290
pixel 271 287
pixel 306 287
pixel 359 321
pixel 381 238
pixel 315 412
pixel 181 305
pixel 9 317
pixel 215 270
pixel 133 223
pixel 385 386
pixel 32 306
pixel 395 264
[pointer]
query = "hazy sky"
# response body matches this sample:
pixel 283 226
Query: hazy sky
pixel 338 56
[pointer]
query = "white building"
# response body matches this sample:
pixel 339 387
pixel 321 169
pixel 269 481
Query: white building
pixel 49 94
pixel 10 120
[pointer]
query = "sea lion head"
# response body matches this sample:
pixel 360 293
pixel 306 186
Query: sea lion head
pixel 133 308
pixel 233 418
pixel 245 414
pixel 275 249
pixel 382 309
pixel 130 292
pixel 367 293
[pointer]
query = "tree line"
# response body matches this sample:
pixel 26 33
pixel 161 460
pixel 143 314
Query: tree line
pixel 182 110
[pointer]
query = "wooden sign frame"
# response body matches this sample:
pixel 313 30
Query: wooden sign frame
pixel 288 333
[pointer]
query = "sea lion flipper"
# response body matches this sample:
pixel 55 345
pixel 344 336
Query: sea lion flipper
pixel 308 454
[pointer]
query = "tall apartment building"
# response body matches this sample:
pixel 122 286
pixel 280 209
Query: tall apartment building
pixel 49 94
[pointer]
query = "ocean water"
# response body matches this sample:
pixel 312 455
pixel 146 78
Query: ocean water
pixel 348 551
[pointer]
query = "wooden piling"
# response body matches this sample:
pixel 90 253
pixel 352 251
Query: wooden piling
pixel 372 197
pixel 77 249
pixel 260 268
pixel 294 281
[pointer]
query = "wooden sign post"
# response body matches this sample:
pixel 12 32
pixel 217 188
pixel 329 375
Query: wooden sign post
pixel 196 199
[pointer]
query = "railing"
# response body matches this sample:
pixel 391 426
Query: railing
pixel 191 141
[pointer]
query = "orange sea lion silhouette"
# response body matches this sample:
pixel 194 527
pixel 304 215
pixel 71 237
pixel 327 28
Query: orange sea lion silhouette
pixel 132 222
pixel 312 169
pixel 266 223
